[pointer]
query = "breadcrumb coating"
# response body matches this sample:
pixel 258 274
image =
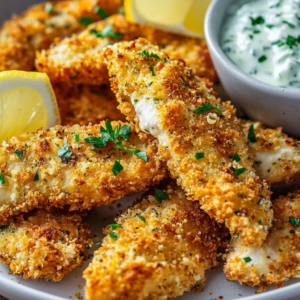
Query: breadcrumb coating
pixel 44 244
pixel 79 59
pixel 84 180
pixel 160 96
pixel 161 251
pixel 276 156
pixel 278 258
pixel 86 104
pixel 36 29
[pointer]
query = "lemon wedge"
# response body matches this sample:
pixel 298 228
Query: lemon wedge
pixel 27 103
pixel 185 17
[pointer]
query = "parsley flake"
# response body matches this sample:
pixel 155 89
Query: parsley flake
pixel 247 259
pixel 36 176
pixel 154 55
pixel 76 137
pixel 151 69
pixel 49 8
pixel 160 195
pixel 107 32
pixel 145 53
pixel 238 172
pixel 201 109
pixel 64 152
pixel 142 218
pixel 86 21
pixel 114 226
pixel 251 134
pixel 262 59
pixel 2 180
pixel 117 168
pixel 236 157
pixel 102 13
pixel 3 227
pixel 113 235
pixel 294 221
pixel 257 21
pixel 199 155
pixel 19 153
pixel 289 24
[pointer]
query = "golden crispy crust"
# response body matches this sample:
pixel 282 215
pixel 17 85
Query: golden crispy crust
pixel 36 29
pixel 79 59
pixel 160 258
pixel 86 104
pixel 82 181
pixel 165 102
pixel 276 156
pixel 279 256
pixel 44 244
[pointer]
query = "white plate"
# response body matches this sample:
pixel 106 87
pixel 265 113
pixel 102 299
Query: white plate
pixel 216 285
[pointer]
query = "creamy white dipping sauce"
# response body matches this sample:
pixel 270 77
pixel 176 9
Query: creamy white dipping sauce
pixel 262 38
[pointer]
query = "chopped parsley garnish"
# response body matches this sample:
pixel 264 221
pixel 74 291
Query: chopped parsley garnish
pixel 258 163
pixel 36 176
pixel 146 53
pixel 294 221
pixel 142 218
pixel 251 134
pixel 154 55
pixel 107 32
pixel 113 235
pixel 247 259
pixel 236 157
pixel 19 153
pixel 250 36
pixel 114 136
pixel 141 154
pixel 151 69
pixel 199 155
pixel 201 109
pixel 262 59
pixel 290 41
pixel 117 168
pixel 76 137
pixel 2 180
pixel 49 8
pixel 289 24
pixel 114 226
pixel 64 152
pixel 160 195
pixel 86 21
pixel 276 5
pixel 257 21
pixel 102 13
pixel 270 26
pixel 238 172
pixel 3 227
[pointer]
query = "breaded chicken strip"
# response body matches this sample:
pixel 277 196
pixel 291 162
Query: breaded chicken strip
pixel 201 138
pixel 79 59
pixel 37 28
pixel 44 244
pixel 279 256
pixel 276 156
pixel 86 104
pixel 158 251
pixel 57 167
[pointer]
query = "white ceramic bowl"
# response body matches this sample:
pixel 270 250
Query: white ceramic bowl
pixel 272 105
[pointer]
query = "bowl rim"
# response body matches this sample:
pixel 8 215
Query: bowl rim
pixel 215 49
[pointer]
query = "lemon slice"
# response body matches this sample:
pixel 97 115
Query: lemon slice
pixel 27 103
pixel 179 16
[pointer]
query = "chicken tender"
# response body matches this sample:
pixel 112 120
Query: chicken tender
pixel 59 167
pixel 200 138
pixel 44 244
pixel 86 104
pixel 37 28
pixel 79 59
pixel 278 258
pixel 276 156
pixel 157 250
